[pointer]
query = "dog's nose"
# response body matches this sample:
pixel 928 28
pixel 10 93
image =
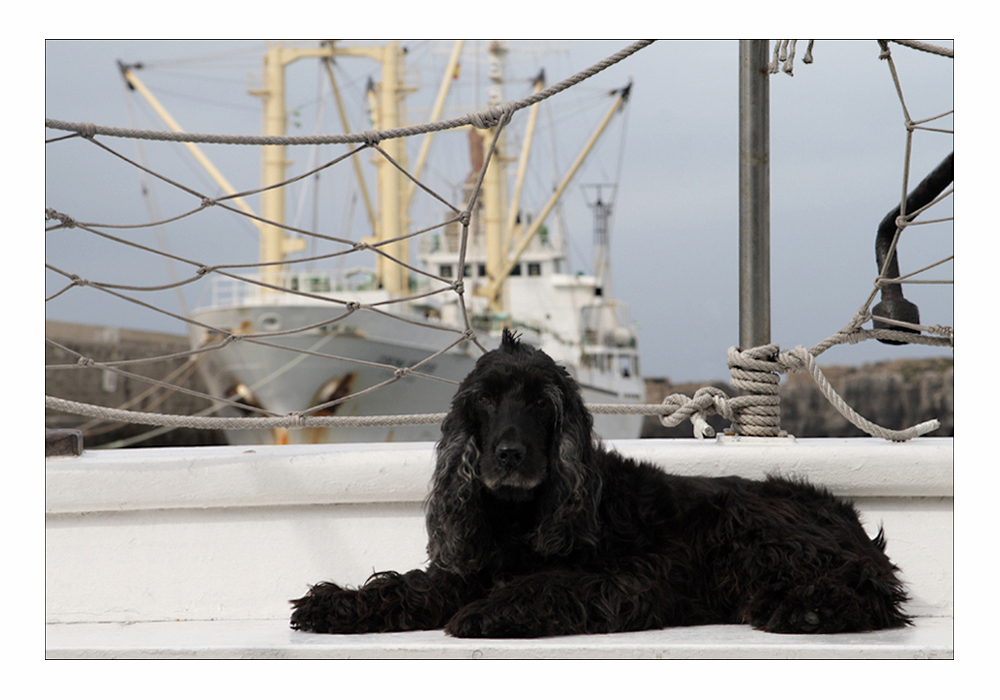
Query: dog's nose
pixel 510 454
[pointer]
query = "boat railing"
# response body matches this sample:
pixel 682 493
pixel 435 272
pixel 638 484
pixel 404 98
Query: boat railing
pixel 227 292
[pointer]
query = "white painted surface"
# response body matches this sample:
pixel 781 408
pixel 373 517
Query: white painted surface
pixel 230 534
pixel 930 638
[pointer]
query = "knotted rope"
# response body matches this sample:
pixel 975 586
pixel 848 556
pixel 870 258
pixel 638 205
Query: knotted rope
pixel 755 371
pixel 757 413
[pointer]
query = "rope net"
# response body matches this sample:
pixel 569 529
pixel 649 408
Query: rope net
pixel 754 371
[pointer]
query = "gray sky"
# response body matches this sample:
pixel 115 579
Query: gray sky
pixel 837 154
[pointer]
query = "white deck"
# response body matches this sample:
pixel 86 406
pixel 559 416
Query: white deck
pixel 930 638
pixel 194 552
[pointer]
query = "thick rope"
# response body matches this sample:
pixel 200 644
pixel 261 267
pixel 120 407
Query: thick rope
pixel 922 46
pixel 291 420
pixel 758 413
pixel 800 358
pixel 755 371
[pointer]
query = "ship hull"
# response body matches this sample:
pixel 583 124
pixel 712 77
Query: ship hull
pixel 281 378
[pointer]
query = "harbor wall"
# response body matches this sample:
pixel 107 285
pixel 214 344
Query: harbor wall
pixel 102 387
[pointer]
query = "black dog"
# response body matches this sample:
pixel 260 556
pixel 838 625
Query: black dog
pixel 535 530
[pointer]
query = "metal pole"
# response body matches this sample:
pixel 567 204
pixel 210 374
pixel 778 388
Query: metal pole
pixel 755 196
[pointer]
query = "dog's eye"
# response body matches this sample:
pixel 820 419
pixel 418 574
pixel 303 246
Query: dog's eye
pixel 486 401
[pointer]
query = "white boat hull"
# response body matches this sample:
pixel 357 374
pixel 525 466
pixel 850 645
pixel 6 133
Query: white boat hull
pixel 287 380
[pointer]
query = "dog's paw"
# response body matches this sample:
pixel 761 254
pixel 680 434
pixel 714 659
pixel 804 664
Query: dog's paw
pixel 471 621
pixel 482 620
pixel 322 609
pixel 810 609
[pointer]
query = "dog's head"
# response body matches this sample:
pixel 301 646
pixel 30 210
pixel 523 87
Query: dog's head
pixel 514 409
pixel 517 432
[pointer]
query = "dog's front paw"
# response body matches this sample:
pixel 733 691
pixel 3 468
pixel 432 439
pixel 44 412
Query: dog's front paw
pixel 810 609
pixel 326 609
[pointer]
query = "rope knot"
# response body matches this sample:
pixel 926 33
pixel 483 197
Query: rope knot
pixel 353 306
pixel 86 362
pixel 297 420
pixel 795 359
pixel 459 287
pixel 79 281
pixel 401 372
pixel 371 138
pixel 88 130
pixel 204 270
pixel 207 202
pixel 65 220
pixel 488 118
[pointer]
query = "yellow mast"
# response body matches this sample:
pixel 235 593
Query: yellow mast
pixel 510 235
pixel 392 221
pixel 494 182
pixel 395 278
pixel 495 288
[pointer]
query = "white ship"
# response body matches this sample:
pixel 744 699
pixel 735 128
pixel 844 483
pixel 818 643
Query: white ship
pixel 515 275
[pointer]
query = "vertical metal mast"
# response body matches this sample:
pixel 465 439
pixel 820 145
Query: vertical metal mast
pixel 755 196
pixel 495 179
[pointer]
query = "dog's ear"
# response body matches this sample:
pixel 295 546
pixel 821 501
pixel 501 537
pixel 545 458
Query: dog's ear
pixel 571 517
pixel 454 513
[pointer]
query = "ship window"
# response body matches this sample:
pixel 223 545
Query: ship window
pixel 516 272
pixel 534 269
pixel 446 271
pixel 319 284
pixel 482 270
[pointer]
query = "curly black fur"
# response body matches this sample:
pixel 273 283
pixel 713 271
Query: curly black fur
pixel 537 530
